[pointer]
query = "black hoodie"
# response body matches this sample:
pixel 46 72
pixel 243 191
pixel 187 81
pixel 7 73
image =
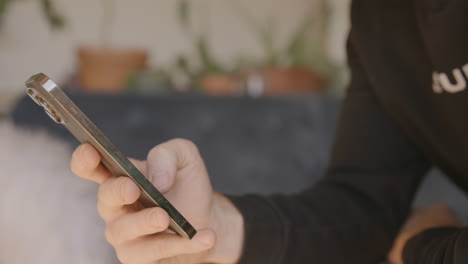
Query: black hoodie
pixel 404 112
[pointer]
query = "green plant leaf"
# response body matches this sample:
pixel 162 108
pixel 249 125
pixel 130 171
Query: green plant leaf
pixel 267 36
pixel 182 64
pixel 3 8
pixel 207 61
pixel 298 49
pixel 53 17
pixel 183 13
pixel 265 32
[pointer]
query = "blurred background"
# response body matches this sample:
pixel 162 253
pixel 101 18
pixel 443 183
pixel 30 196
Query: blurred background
pixel 212 47
pixel 256 84
pixel 259 81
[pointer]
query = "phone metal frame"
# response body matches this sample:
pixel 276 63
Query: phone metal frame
pixel 63 111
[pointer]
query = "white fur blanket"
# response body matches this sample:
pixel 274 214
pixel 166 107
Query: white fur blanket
pixel 47 215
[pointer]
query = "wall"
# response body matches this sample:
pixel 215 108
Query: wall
pixel 28 46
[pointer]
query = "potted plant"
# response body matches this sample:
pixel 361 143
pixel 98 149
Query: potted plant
pixel 104 67
pixel 203 70
pixel 300 66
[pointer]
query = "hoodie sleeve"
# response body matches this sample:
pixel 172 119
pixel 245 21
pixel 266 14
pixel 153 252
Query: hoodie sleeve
pixel 354 212
pixel 445 245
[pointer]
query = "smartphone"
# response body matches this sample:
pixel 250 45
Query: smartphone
pixel 62 110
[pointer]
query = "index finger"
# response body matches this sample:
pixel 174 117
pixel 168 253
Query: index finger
pixel 86 163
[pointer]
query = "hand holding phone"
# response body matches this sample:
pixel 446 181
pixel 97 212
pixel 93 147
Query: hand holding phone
pixel 63 111
pixel 178 171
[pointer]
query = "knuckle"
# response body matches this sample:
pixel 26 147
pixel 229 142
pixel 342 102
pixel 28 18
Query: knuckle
pixel 112 191
pixel 149 219
pixel 119 189
pixel 189 153
pixel 158 151
pixel 186 144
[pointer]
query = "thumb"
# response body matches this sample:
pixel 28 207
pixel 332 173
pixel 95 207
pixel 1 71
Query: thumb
pixel 165 160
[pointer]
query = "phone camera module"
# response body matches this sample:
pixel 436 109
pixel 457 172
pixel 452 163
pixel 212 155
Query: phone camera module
pixel 34 96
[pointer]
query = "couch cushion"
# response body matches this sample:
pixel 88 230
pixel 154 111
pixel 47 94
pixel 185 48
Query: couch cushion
pixel 262 145
pixel 250 145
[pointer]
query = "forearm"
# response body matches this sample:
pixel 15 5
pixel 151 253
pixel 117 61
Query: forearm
pixel 352 215
pixel 326 224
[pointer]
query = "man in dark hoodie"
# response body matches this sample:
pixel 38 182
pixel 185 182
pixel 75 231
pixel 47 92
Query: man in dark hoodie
pixel 403 113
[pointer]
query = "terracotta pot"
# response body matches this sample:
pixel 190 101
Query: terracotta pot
pixel 218 83
pixel 107 69
pixel 276 80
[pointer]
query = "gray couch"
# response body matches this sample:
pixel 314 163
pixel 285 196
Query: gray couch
pixel 261 145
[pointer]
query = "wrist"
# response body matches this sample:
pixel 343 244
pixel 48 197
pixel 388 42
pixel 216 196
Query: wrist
pixel 228 223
